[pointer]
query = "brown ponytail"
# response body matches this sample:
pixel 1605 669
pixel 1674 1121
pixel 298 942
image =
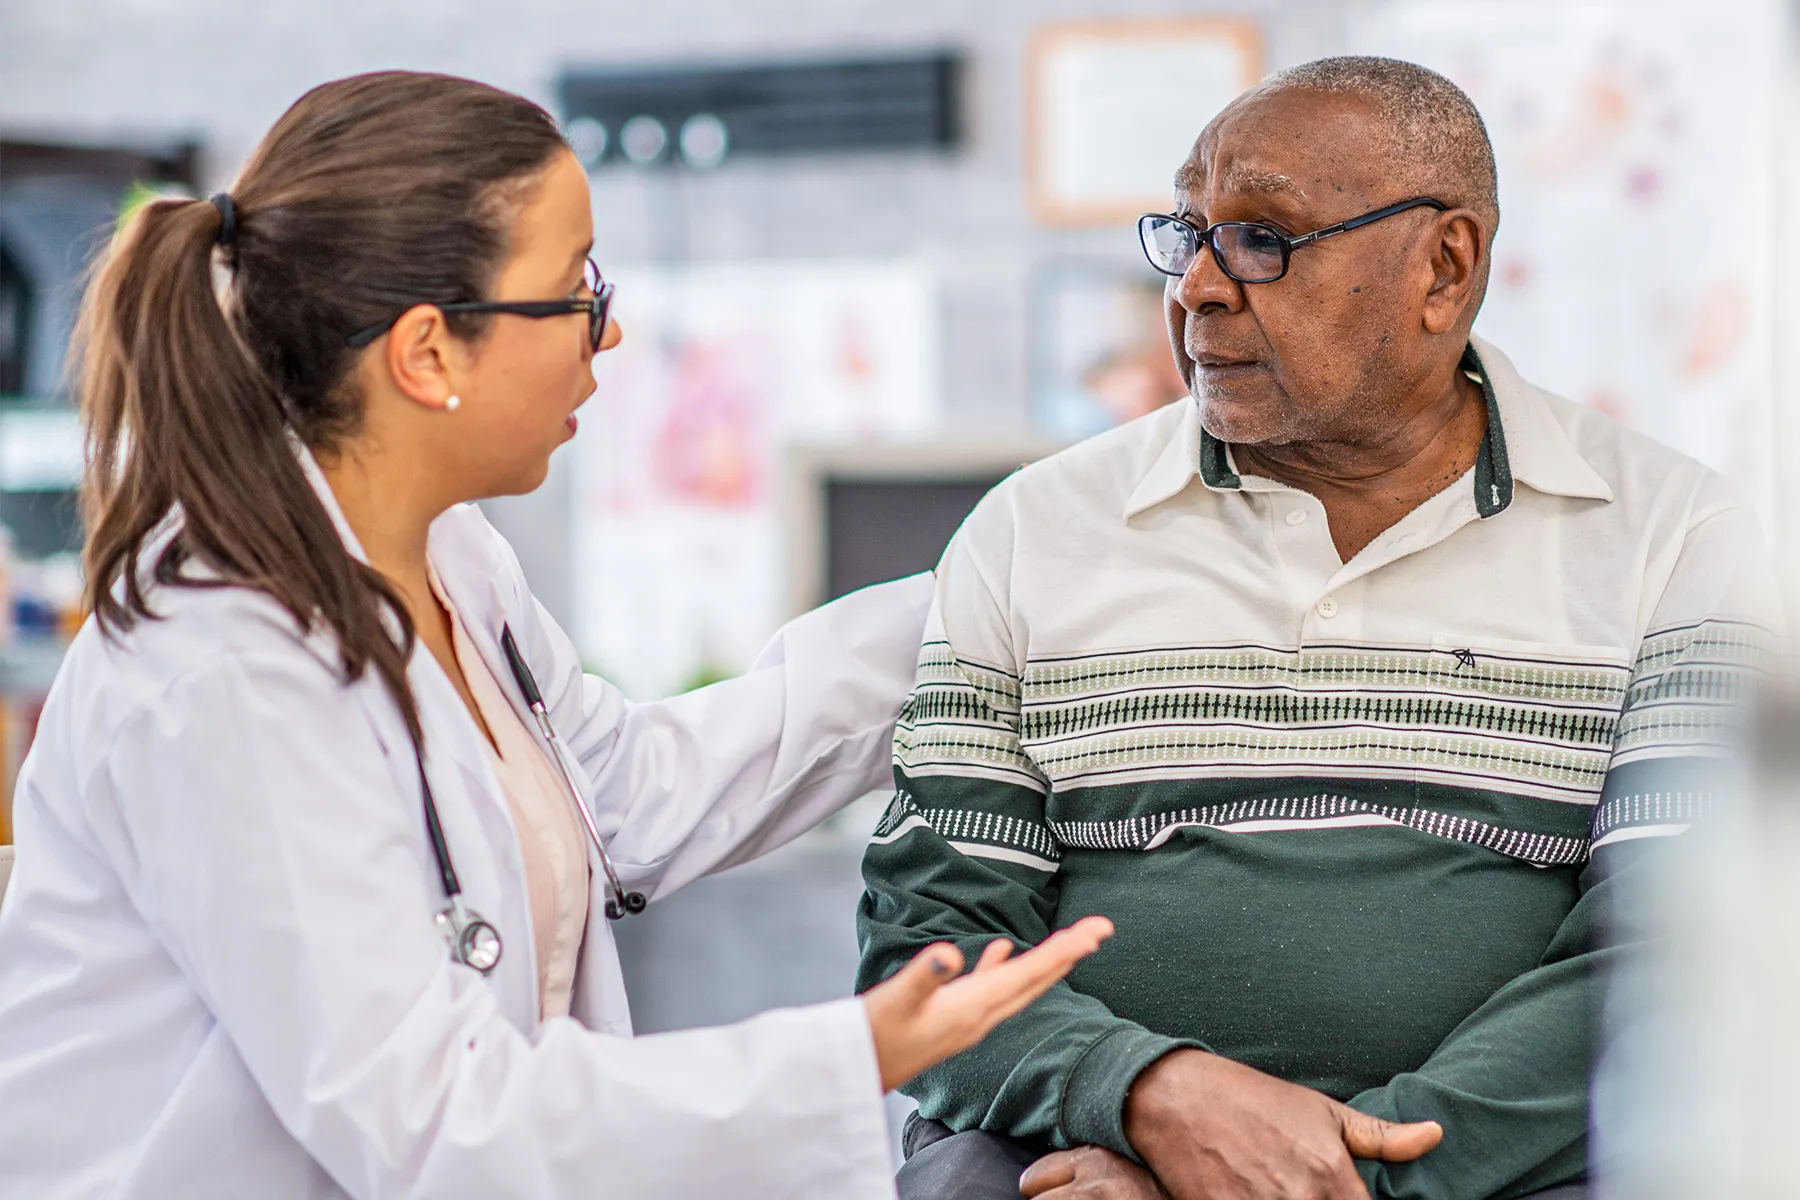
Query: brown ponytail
pixel 370 195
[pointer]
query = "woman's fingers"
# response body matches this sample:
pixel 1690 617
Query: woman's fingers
pixel 1003 989
pixel 929 970
pixel 995 952
pixel 920 1017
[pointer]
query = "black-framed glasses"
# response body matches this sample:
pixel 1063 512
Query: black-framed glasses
pixel 594 306
pixel 1247 251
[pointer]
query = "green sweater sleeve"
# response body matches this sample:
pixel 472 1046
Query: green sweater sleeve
pixel 964 854
pixel 1510 1083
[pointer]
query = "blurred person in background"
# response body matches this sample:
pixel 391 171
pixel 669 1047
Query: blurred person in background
pixel 1353 688
pixel 303 904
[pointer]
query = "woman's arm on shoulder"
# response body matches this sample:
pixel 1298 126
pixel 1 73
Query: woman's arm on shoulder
pixel 722 774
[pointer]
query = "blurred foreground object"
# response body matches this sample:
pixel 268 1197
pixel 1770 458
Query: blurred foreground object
pixel 1696 1096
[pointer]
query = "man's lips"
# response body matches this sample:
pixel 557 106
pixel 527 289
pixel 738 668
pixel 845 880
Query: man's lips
pixel 1221 362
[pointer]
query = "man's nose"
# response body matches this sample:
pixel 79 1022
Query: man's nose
pixel 1204 283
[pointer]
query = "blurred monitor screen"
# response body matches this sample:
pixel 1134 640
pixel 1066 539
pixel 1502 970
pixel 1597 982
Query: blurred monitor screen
pixel 862 513
pixel 878 529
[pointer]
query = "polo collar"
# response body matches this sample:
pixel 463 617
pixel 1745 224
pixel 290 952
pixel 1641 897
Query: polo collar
pixel 1493 466
pixel 1540 452
pixel 1524 442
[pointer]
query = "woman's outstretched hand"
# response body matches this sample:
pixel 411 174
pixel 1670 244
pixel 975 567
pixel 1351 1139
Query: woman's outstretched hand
pixel 925 1013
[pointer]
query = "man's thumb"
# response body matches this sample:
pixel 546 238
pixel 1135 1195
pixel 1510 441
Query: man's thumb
pixel 1371 1137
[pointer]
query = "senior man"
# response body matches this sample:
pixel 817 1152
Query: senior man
pixel 1348 687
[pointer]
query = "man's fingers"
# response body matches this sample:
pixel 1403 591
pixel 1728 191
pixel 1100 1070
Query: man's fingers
pixel 1050 1171
pixel 1371 1137
pixel 1346 1184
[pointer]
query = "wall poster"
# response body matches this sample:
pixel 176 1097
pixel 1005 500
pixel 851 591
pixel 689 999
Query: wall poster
pixel 676 534
pixel 1633 266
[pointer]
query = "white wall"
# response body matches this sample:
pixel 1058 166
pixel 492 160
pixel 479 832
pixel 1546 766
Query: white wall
pixel 222 71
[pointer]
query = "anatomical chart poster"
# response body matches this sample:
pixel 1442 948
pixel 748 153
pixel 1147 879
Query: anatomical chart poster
pixel 677 537
pixel 1633 267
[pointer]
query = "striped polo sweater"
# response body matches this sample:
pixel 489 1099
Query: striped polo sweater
pixel 1355 822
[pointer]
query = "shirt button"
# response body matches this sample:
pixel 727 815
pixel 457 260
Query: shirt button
pixel 1327 608
pixel 1297 517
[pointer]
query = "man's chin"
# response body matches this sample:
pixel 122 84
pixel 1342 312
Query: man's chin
pixel 1238 419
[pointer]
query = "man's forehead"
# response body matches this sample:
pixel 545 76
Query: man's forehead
pixel 1283 144
pixel 1239 177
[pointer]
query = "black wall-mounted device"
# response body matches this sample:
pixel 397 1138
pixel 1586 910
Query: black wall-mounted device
pixel 702 114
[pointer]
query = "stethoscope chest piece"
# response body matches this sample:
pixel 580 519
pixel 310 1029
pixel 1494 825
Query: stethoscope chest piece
pixel 472 941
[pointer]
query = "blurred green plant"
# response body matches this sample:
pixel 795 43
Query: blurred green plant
pixel 708 672
pixel 138 193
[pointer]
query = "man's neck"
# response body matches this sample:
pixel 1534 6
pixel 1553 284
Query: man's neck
pixel 1368 486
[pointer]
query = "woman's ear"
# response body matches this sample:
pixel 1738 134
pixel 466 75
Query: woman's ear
pixel 420 355
pixel 1456 262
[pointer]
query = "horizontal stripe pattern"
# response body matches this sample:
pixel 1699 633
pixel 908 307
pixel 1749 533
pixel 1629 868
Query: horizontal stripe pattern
pixel 964 826
pixel 1375 725
pixel 1300 812
pixel 1460 717
pixel 962 719
pixel 1690 688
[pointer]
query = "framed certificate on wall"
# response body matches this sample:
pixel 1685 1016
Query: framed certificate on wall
pixel 1113 106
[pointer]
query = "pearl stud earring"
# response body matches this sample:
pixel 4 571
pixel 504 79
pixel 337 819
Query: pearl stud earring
pixel 452 404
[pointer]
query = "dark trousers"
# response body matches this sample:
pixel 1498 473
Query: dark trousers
pixel 941 1165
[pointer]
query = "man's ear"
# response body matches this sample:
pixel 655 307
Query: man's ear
pixel 1458 261
pixel 418 356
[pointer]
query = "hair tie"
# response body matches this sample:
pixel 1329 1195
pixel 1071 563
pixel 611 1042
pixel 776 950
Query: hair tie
pixel 227 219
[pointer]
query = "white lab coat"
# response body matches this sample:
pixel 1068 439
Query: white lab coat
pixel 219 975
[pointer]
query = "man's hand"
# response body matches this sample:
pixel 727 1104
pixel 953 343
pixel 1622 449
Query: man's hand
pixel 1213 1129
pixel 1089 1173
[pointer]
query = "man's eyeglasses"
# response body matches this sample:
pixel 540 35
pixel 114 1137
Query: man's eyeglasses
pixel 594 306
pixel 1247 251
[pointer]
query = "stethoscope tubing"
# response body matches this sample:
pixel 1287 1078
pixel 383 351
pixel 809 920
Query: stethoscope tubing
pixel 473 940
pixel 620 901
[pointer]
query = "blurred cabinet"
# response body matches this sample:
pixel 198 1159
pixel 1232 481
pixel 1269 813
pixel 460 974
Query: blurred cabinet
pixel 58 206
pixel 27 669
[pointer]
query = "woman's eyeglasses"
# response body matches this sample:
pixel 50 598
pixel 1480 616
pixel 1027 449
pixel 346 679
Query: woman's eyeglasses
pixel 594 306
pixel 1247 251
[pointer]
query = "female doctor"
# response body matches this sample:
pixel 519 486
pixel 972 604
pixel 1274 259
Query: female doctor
pixel 305 904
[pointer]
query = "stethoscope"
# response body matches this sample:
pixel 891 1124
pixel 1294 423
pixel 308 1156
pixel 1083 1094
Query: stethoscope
pixel 473 941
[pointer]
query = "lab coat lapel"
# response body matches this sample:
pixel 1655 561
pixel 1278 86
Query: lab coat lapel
pixel 476 589
pixel 478 596
pixel 477 824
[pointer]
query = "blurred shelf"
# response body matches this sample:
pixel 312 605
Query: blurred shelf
pixel 27 669
pixel 41 447
pixel 29 666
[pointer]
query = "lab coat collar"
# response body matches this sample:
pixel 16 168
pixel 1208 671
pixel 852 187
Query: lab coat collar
pixel 315 475
pixel 472 587
pixel 451 737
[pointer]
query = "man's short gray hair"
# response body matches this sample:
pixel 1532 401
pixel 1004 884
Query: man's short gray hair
pixel 1437 138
